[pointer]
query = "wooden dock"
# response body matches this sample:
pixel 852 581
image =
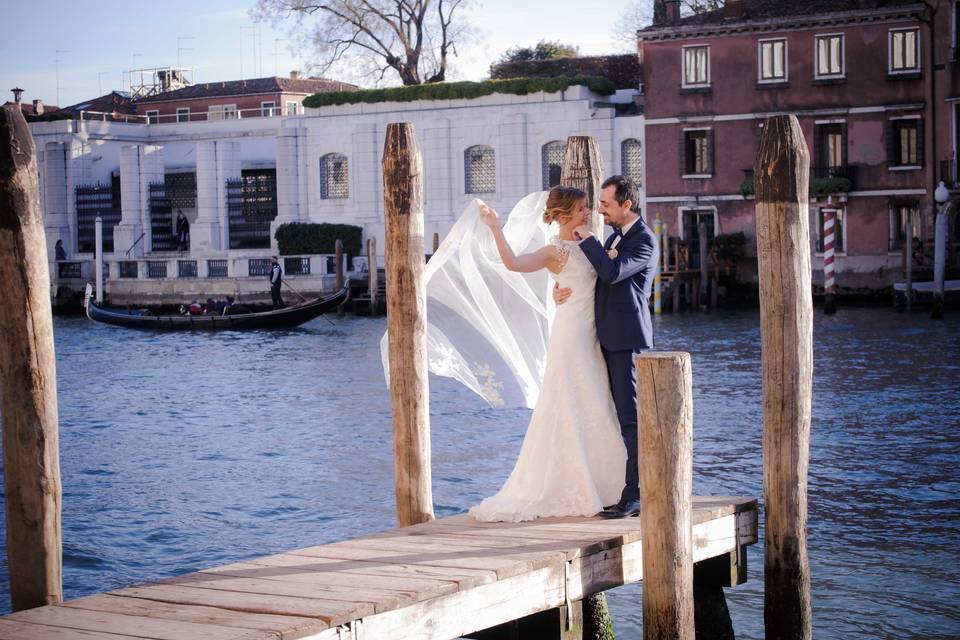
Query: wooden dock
pixel 438 580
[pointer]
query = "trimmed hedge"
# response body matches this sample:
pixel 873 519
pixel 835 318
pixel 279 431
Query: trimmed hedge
pixel 622 70
pixel 306 238
pixel 457 90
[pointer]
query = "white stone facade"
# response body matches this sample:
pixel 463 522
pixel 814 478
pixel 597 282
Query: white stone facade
pixel 515 127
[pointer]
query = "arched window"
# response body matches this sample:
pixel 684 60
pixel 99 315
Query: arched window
pixel 480 169
pixel 631 160
pixel 334 176
pixel 551 162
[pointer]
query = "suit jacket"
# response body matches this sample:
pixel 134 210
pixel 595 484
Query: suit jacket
pixel 622 296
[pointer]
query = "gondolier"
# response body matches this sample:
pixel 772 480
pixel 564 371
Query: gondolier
pixel 276 279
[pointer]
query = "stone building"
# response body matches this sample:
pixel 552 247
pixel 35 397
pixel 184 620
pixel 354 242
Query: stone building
pixel 236 180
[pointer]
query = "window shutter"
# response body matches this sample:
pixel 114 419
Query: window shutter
pixel 682 153
pixel 921 156
pixel 843 137
pixel 710 168
pixel 892 159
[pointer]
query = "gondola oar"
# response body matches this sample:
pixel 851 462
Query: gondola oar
pixel 324 316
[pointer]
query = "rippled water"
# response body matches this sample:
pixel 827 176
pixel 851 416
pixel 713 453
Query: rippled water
pixel 182 451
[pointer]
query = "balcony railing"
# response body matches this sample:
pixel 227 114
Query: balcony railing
pixel 824 181
pixel 192 116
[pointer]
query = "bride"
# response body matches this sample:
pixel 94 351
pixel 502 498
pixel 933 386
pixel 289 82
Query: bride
pixel 491 320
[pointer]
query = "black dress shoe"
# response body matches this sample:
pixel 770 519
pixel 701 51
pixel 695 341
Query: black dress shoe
pixel 623 509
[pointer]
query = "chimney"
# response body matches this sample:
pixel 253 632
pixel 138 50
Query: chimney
pixel 17 92
pixel 733 10
pixel 294 75
pixel 38 107
pixel 671 11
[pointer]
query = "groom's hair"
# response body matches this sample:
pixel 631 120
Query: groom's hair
pixel 624 189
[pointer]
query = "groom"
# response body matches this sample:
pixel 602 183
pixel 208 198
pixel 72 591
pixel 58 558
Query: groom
pixel 625 265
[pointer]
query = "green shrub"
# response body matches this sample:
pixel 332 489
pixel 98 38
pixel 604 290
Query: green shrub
pixel 306 238
pixel 746 187
pixel 457 90
pixel 729 247
pixel 826 186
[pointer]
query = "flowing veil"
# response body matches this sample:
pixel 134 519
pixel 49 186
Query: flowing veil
pixel 487 327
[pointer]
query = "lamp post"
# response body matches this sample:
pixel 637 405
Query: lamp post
pixel 941 195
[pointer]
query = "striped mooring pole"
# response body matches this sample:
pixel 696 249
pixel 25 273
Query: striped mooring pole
pixel 657 285
pixel 829 282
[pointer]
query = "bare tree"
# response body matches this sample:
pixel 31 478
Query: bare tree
pixel 640 14
pixel 413 38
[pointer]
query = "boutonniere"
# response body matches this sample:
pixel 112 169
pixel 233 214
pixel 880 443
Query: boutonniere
pixel 612 254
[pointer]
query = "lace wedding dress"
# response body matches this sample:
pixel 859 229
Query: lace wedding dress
pixel 572 459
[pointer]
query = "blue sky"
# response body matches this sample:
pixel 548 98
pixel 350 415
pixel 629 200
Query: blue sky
pixel 98 41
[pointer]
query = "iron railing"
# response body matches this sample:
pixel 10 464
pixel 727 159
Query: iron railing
pixel 216 268
pixel 298 266
pixel 186 268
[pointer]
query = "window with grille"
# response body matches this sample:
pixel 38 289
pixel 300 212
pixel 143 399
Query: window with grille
pixel 697 152
pixel 292 108
pixel 904 50
pixel 696 66
pixel 830 61
pixel 773 60
pixel 900 214
pixel 153 116
pixel 631 160
pixel 334 176
pixel 183 114
pixel 268 109
pixel 551 158
pixel 480 169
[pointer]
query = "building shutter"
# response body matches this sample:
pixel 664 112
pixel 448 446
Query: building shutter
pixel 843 137
pixel 711 168
pixel 682 153
pixel 892 159
pixel 921 156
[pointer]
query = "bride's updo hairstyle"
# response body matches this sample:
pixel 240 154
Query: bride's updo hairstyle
pixel 562 204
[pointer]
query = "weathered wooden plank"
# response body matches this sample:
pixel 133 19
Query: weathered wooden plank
pixel 136 626
pixel 286 627
pixel 14 630
pixel 321 609
pixel 460 613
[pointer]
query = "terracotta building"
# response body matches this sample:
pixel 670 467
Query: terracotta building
pixel 230 99
pixel 857 73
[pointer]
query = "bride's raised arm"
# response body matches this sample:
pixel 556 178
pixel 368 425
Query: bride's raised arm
pixel 547 257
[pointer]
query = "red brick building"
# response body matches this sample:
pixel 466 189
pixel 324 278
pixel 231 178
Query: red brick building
pixel 252 98
pixel 857 73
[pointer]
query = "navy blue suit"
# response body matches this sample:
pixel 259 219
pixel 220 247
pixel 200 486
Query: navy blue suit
pixel 624 326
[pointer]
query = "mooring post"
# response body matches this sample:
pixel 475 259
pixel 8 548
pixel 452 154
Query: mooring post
pixel 665 429
pixel 658 274
pixel 338 258
pixel 406 323
pixel 583 169
pixel 373 275
pixel 436 242
pixel 908 263
pixel 98 256
pixel 941 196
pixel 704 266
pixel 786 333
pixel 28 377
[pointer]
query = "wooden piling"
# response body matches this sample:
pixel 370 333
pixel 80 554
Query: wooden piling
pixel 786 330
pixel 28 377
pixel 704 266
pixel 373 275
pixel 908 263
pixel 436 242
pixel 583 169
pixel 338 258
pixel 406 323
pixel 665 422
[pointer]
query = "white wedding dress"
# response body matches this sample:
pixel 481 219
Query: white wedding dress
pixel 572 459
pixel 498 333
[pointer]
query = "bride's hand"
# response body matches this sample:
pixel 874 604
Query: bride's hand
pixel 489 217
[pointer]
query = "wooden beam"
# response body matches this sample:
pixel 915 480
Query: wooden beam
pixel 406 323
pixel 28 377
pixel 786 352
pixel 583 169
pixel 665 422
pixel 373 275
pixel 338 253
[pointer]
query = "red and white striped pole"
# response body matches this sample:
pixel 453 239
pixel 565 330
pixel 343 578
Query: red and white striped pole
pixel 829 282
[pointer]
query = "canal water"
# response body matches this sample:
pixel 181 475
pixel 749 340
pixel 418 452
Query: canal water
pixel 183 451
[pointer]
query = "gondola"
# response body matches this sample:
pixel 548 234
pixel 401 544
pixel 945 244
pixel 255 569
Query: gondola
pixel 284 318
